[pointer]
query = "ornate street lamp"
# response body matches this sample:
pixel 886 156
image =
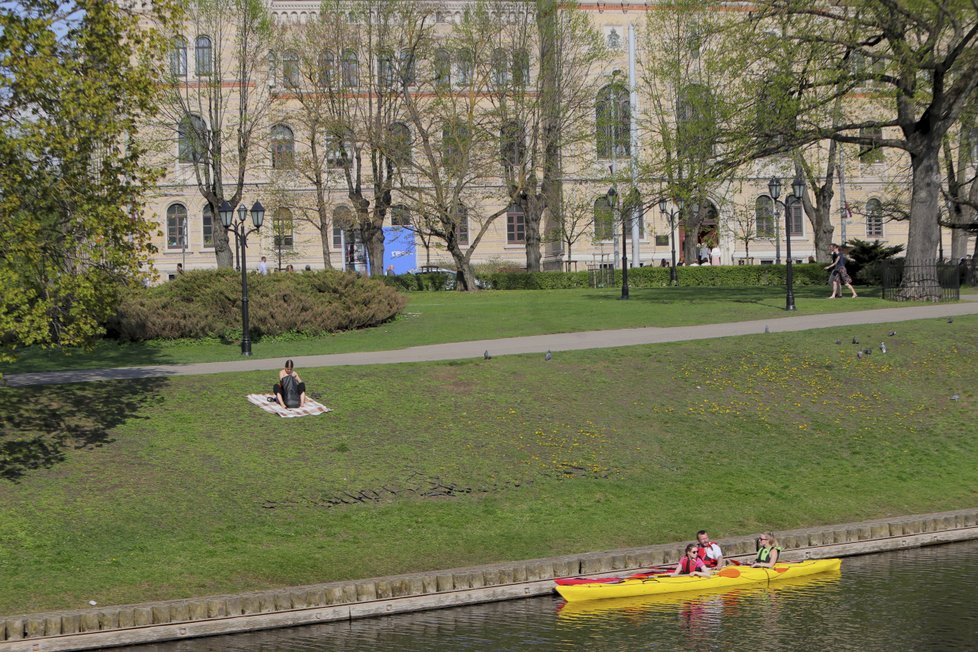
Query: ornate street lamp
pixel 797 190
pixel 241 233
pixel 615 213
pixel 663 207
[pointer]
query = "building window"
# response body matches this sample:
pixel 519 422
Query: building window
pixel 465 67
pixel 283 148
pixel 603 219
pixel 191 139
pixel 871 153
pixel 208 226
pixel 443 68
pixel 178 57
pixel 515 225
pixel 661 241
pixel 176 226
pixel 764 217
pixel 613 122
pixel 796 217
pixel 400 215
pixel 874 218
pixel 399 143
pixel 338 151
pixel 282 229
pixel 462 225
pixel 454 144
pixel 342 221
pixel 327 65
pixel 204 58
pixel 385 70
pixel 290 69
pixel 350 69
pixel 407 72
pixel 512 143
pixel 500 67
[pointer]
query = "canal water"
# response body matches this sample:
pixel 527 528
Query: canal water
pixel 921 599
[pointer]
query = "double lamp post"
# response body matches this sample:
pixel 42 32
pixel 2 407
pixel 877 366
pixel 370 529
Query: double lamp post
pixel 241 232
pixel 797 191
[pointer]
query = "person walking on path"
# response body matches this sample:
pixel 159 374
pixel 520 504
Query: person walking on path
pixel 840 276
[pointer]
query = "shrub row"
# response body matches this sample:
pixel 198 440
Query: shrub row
pixel 207 303
pixel 650 277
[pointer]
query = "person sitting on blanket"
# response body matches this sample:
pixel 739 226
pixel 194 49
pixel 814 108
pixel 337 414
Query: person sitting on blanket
pixel 290 391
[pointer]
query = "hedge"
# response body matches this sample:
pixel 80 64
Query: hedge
pixel 638 277
pixel 207 303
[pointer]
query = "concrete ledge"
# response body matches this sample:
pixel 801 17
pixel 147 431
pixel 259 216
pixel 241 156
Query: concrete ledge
pixel 177 619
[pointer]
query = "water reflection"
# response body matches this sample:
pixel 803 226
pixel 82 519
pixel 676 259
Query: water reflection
pixel 912 600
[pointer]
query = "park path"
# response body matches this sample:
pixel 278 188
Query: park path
pixel 513 345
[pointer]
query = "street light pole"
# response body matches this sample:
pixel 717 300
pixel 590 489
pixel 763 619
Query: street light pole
pixel 616 212
pixel 673 276
pixel 797 190
pixel 241 233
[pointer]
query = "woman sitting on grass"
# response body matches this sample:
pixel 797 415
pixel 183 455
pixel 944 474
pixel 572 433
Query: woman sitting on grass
pixel 290 391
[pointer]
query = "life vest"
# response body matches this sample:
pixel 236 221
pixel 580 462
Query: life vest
pixel 701 553
pixel 290 391
pixel 685 563
pixel 764 554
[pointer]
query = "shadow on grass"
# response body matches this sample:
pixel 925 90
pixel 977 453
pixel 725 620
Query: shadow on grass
pixel 40 424
pixel 702 294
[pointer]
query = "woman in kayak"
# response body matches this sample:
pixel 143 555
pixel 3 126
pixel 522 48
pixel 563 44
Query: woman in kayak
pixel 691 564
pixel 767 552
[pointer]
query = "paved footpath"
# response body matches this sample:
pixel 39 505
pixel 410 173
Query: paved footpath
pixel 514 345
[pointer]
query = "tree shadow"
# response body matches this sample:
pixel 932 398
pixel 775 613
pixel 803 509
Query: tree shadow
pixel 42 423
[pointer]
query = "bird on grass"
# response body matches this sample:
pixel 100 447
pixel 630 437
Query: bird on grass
pixel 950 320
pixel 859 354
pixel 838 341
pixel 868 351
pixel 855 340
pixel 954 397
pixel 891 333
pixel 549 356
pixel 486 356
pixel 882 347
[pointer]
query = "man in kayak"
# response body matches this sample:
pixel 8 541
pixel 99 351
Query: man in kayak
pixel 768 551
pixel 691 564
pixel 708 550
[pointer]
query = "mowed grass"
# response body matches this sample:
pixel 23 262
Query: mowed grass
pixel 436 317
pixel 133 491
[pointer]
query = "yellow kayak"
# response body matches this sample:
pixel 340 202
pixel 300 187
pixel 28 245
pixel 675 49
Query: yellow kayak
pixel 727 577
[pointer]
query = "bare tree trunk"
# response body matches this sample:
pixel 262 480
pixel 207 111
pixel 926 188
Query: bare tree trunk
pixel 920 279
pixel 550 187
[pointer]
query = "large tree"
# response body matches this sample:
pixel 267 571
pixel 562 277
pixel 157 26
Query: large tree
pixel 917 70
pixel 75 82
pixel 217 101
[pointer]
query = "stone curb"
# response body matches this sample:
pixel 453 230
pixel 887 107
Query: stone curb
pixel 319 603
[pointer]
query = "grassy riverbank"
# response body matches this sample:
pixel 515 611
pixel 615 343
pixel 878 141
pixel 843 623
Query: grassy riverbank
pixel 436 317
pixel 120 492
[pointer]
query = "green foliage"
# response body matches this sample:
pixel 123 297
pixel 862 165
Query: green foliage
pixel 865 258
pixel 76 78
pixel 203 304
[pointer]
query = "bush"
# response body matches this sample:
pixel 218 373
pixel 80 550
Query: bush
pixel 207 303
pixel 865 259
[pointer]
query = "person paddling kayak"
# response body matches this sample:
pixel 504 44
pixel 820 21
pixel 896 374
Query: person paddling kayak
pixel 691 564
pixel 708 550
pixel 767 552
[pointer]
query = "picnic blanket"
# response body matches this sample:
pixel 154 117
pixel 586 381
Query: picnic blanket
pixel 311 407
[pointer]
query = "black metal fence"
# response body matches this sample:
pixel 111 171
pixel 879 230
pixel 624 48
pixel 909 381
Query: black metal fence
pixel 937 281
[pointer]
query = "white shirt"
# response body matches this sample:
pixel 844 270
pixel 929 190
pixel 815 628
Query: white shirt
pixel 713 551
pixel 262 267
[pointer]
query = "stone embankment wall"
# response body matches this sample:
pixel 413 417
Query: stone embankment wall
pixel 177 619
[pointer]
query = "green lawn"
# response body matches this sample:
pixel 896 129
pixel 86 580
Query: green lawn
pixel 435 317
pixel 132 491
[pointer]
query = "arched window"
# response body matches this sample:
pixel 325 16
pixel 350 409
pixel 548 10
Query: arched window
pixel 500 67
pixel 795 217
pixel 178 57
pixel 443 68
pixel 207 221
pixel 350 69
pixel 454 144
pixel 695 122
pixel 282 229
pixel 342 221
pixel 176 226
pixel 400 215
pixel 874 218
pixel 464 66
pixel 521 68
pixel 515 225
pixel 407 71
pixel 512 143
pixel 339 151
pixel 291 74
pixel 327 67
pixel 764 217
pixel 613 122
pixel 204 56
pixel 604 219
pixel 283 148
pixel 385 69
pixel 399 143
pixel 191 139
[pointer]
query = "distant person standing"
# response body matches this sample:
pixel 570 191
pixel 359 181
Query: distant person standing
pixel 263 266
pixel 715 255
